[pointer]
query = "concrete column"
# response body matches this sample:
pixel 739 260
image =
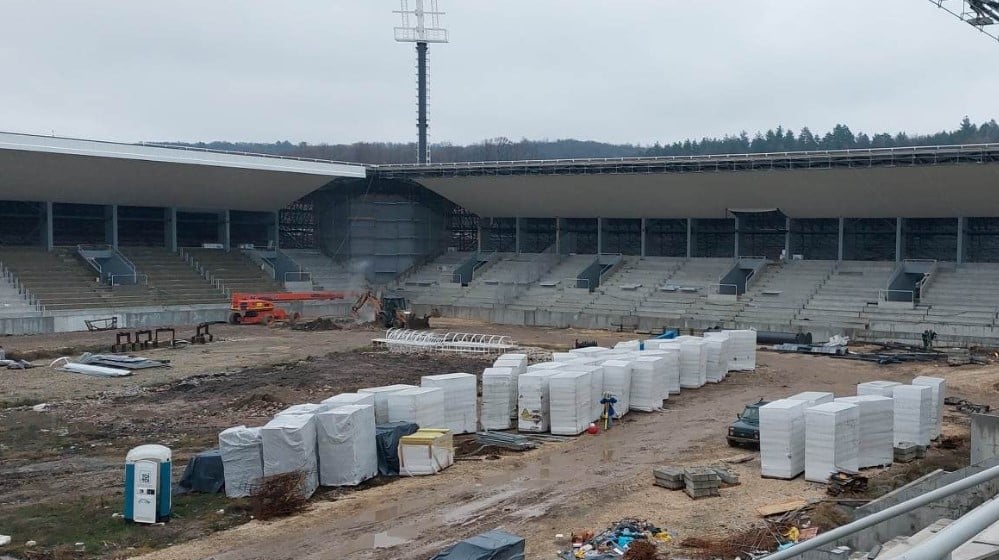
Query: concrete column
pixel 170 228
pixel 690 237
pixel 478 236
pixel 960 241
pixel 736 218
pixel 224 237
pixel 274 230
pixel 643 238
pixel 558 236
pixel 840 252
pixel 111 225
pixel 600 236
pixel 899 248
pixel 47 235
pixel 516 235
pixel 787 238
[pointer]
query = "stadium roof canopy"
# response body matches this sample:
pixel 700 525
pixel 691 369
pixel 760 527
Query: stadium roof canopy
pixel 43 168
pixel 919 182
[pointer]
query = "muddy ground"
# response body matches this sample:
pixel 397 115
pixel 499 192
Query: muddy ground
pixel 66 462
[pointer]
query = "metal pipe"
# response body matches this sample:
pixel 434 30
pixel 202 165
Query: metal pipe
pixel 884 515
pixel 955 534
pixel 421 103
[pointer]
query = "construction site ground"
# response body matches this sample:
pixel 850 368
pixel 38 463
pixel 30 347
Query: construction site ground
pixel 61 468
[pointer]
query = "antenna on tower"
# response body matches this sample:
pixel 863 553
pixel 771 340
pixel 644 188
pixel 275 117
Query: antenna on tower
pixel 421 25
pixel 980 14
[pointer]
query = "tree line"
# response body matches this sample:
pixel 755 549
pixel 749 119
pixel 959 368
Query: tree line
pixel 776 139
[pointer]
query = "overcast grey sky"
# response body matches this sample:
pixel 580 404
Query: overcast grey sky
pixel 620 71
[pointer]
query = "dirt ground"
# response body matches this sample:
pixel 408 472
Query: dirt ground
pixel 69 457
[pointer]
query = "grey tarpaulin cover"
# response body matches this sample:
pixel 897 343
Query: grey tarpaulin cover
pixel 242 459
pixel 348 452
pixel 204 473
pixel 290 446
pixel 494 545
pixel 388 436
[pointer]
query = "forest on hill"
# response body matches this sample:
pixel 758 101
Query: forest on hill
pixel 777 139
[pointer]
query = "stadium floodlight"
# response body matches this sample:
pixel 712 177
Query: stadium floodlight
pixel 977 13
pixel 415 29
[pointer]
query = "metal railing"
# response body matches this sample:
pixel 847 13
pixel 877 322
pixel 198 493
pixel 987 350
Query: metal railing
pixel 405 340
pixel 718 289
pixel 299 276
pixel 216 283
pixel 23 291
pixel 112 279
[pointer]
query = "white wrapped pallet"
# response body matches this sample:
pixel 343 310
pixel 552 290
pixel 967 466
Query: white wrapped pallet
pixel 632 345
pixel 426 452
pixel 672 353
pixel 570 402
pixel 913 414
pixel 831 445
pixel 461 400
pixel 880 388
pixel 596 386
pixel 499 398
pixel 693 363
pixel 307 408
pixel 595 350
pixel 423 406
pixel 348 452
pixel 782 439
pixel 349 398
pixel 540 366
pixel 648 383
pixel 617 382
pixel 381 399
pixel 563 356
pixel 518 365
pixel 876 423
pixel 518 358
pixel 534 400
pixel 717 348
pixel 939 388
pixel 242 460
pixel 666 368
pixel 743 355
pixel 813 398
pixel 289 445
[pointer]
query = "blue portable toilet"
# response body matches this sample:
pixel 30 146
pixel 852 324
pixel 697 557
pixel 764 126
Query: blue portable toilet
pixel 147 484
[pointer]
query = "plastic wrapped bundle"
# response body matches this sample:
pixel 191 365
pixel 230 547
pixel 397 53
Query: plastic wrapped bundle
pixel 743 351
pixel 242 460
pixel 307 408
pixel 381 399
pixel 648 383
pixel 831 445
pixel 782 439
pixel 461 407
pixel 693 363
pixel 534 400
pixel 668 366
pixel 499 402
pixel 914 414
pixel 879 388
pixel 672 352
pixel 570 402
pixel 596 385
pixel 423 406
pixel 617 382
pixel 632 345
pixel 563 356
pixel 289 445
pixel 813 398
pixel 876 423
pixel 939 388
pixel 717 349
pixel 426 452
pixel 594 350
pixel 517 361
pixel 349 398
pixel 348 453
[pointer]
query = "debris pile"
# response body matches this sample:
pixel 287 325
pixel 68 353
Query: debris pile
pixel 617 541
pixel 278 495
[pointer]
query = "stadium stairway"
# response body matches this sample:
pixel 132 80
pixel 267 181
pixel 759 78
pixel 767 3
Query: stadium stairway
pixel 171 281
pixel 12 302
pixel 235 271
pixel 556 290
pixel 842 300
pixel 326 273
pixel 780 293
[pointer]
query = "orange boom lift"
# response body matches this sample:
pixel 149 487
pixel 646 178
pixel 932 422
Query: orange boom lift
pixel 257 309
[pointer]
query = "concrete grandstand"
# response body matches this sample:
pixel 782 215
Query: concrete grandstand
pixel 879 244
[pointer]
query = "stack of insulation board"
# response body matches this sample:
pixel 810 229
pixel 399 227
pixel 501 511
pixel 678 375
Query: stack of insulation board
pixel 671 350
pixel 939 389
pixel 306 408
pixel 517 363
pixel 693 363
pixel 570 402
pixel 647 382
pixel 617 382
pixel 914 414
pixel 424 406
pixel 564 356
pixel 347 450
pixel 242 460
pixel 596 385
pixel 667 363
pixel 782 438
pixel 534 402
pixel 289 445
pixel 813 398
pixel 879 388
pixel 589 351
pixel 876 422
pixel 381 399
pixel 426 452
pixel 349 398
pixel 832 440
pixel 631 345
pixel 719 354
pixel 499 402
pixel 743 356
pixel 461 411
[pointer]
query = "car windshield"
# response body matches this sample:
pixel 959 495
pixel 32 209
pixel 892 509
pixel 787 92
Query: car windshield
pixel 751 414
